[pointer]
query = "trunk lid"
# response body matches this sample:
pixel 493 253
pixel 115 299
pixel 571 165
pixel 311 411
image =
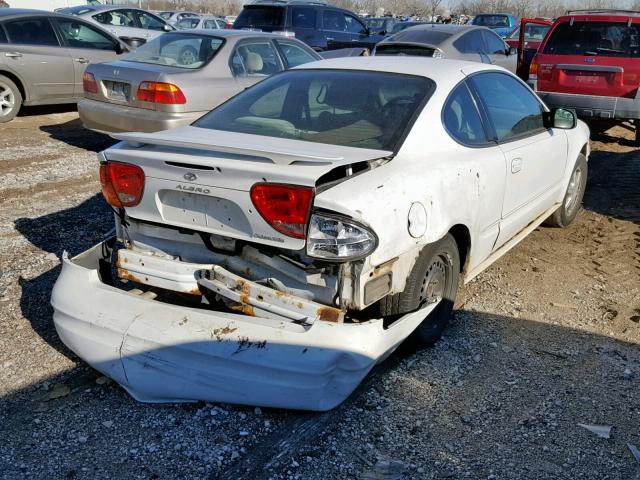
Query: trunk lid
pixel 200 179
pixel 118 82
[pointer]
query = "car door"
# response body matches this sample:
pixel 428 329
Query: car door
pixel 35 54
pixel 303 23
pixel 470 47
pixel 535 156
pixel 462 120
pixel 498 51
pixel 334 29
pixel 357 30
pixel 86 44
pixel 254 60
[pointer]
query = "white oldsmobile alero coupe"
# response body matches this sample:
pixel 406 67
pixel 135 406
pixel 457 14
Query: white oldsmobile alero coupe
pixel 278 248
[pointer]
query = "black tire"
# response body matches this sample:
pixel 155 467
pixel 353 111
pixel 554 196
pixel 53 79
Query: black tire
pixel 10 99
pixel 435 275
pixel 636 140
pixel 572 200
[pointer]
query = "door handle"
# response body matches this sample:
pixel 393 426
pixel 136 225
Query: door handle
pixel 81 60
pixel 516 165
pixel 329 38
pixel 13 54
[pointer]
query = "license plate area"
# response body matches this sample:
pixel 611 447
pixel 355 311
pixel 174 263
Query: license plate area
pixel 118 91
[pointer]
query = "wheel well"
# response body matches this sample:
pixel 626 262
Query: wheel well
pixel 584 149
pixel 17 81
pixel 463 239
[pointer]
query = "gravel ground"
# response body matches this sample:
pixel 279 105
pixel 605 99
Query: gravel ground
pixel 544 340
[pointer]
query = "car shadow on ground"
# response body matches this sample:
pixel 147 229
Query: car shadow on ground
pixel 73 230
pixel 47 109
pixel 74 134
pixel 612 186
pixel 534 373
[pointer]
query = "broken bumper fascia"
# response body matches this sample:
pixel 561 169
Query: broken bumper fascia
pixel 161 352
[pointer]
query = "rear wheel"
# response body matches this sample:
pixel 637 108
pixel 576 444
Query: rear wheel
pixel 10 99
pixel 188 56
pixel 572 200
pixel 433 279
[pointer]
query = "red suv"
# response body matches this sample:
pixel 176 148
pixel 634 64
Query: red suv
pixel 590 61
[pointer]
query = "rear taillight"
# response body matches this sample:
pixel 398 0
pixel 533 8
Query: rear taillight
pixel 285 207
pixel 89 84
pixel 122 184
pixel 533 69
pixel 159 92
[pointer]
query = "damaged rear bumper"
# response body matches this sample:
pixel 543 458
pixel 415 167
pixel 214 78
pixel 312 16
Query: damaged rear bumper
pixel 162 352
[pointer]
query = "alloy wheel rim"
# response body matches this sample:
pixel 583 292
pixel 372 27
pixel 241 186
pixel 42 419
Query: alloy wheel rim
pixel 187 57
pixel 7 100
pixel 573 190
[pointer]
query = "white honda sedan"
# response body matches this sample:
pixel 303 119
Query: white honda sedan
pixel 278 248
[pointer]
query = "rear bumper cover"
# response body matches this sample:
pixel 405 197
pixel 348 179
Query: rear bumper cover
pixel 110 118
pixel 593 106
pixel 166 353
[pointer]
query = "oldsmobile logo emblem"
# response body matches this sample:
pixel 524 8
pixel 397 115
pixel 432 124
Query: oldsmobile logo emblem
pixel 190 177
pixel 116 72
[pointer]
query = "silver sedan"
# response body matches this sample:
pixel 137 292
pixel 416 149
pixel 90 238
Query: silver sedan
pixel 178 77
pixel 462 42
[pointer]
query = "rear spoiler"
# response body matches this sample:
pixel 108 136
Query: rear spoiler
pixel 257 146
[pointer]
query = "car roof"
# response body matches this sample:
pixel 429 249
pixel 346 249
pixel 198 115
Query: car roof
pixel 438 69
pixel 10 12
pixel 599 14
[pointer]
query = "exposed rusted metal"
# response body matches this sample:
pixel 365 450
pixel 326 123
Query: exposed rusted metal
pixel 329 314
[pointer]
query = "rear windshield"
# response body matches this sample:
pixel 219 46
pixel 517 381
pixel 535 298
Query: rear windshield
pixel 322 106
pixel 165 15
pixel 491 20
pixel 263 16
pixel 398 27
pixel 79 10
pixel 595 38
pixel 429 35
pixel 182 50
pixel 186 23
pixel 410 50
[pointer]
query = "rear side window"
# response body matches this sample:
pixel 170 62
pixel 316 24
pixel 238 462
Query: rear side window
pixel 32 31
pixel 461 118
pixel 471 42
pixel 513 110
pixel 3 36
pixel 303 17
pixel 334 21
pixel 260 16
pixel 595 38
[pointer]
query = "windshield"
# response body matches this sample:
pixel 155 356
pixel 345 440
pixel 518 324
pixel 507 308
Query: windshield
pixel 595 38
pixel 492 21
pixel 267 16
pixel 182 50
pixel 322 106
pixel 532 32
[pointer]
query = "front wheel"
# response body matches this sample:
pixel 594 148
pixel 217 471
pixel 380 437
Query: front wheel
pixel 433 279
pixel 10 99
pixel 572 201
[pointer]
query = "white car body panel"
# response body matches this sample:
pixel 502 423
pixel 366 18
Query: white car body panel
pixel 291 345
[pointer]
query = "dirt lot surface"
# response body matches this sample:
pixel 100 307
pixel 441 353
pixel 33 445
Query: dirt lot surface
pixel 543 341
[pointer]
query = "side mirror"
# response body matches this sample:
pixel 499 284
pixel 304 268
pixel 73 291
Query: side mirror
pixel 382 32
pixel 167 28
pixel 560 118
pixel 512 51
pixel 119 48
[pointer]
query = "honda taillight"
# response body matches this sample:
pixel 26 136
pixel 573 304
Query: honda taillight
pixel 284 207
pixel 89 84
pixel 122 184
pixel 159 92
